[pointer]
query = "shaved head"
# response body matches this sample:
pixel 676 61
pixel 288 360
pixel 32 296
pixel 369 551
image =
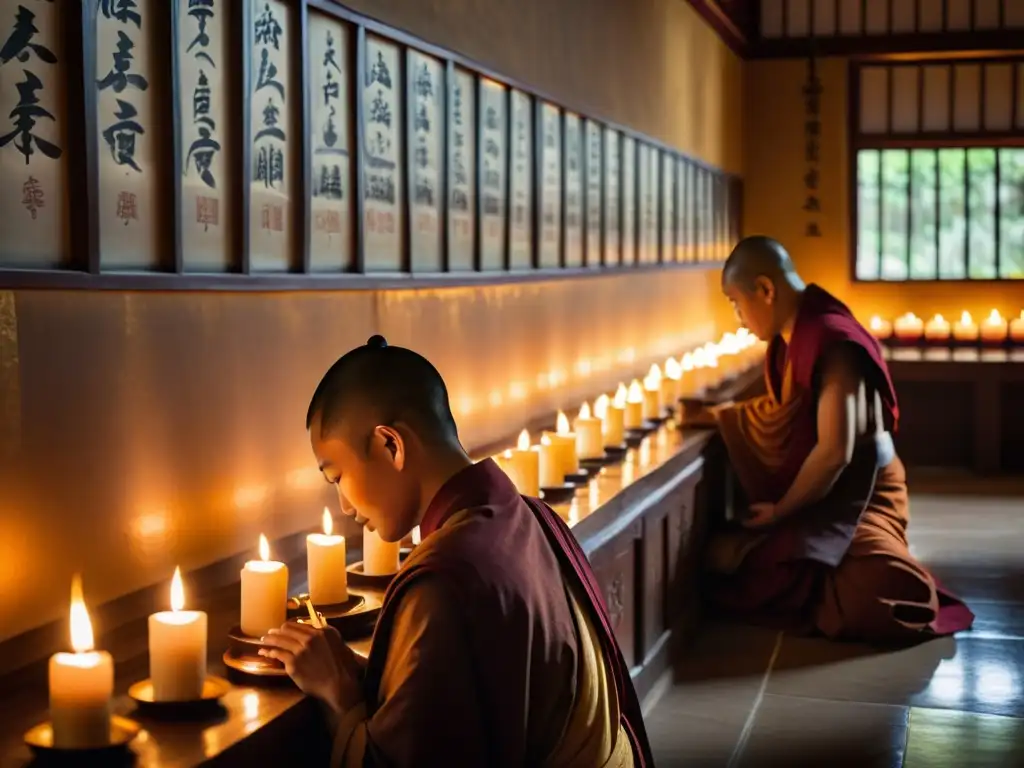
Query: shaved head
pixel 755 257
pixel 378 384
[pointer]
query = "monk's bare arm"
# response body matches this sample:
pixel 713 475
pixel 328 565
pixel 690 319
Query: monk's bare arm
pixel 429 713
pixel 841 385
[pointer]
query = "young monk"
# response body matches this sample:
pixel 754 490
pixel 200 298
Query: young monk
pixel 493 647
pixel 824 546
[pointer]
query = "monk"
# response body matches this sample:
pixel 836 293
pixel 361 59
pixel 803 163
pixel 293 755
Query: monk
pixel 823 547
pixel 493 646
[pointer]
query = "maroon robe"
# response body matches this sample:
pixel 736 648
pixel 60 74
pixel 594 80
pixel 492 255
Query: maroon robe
pixel 842 565
pixel 510 577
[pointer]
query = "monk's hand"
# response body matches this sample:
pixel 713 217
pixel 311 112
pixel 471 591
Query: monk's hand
pixel 760 515
pixel 318 661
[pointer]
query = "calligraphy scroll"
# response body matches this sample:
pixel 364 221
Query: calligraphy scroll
pixel 573 190
pixel 653 196
pixel 551 186
pixel 202 95
pixel 426 148
pixel 644 203
pixel 32 135
pixel 629 201
pixel 330 141
pixel 493 157
pixel 128 134
pixel 668 207
pixel 612 162
pixel 461 171
pixel 680 209
pixel 595 226
pixel 382 157
pixel 520 240
pixel 271 183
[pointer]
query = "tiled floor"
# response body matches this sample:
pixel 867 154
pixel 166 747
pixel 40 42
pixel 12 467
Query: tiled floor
pixel 747 698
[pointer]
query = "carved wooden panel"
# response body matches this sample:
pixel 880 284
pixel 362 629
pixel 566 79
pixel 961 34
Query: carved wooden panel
pixel 615 567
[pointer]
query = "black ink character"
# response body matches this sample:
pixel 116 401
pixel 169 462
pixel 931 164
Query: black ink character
pixel 267 29
pixel 120 136
pixel 422 121
pixel 19 45
pixel 202 12
pixel 24 116
pixel 123 11
pixel 330 133
pixel 380 111
pixel 421 157
pixel 424 84
pixel 330 53
pixel 119 78
pixel 491 119
pixel 330 182
pixel 269 165
pixel 265 78
pixel 271 115
pixel 331 88
pixel 203 150
pixel 379 72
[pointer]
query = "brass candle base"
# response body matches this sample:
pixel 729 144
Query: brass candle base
pixel 122 732
pixel 615 453
pixel 354 617
pixel 242 659
pixel 559 494
pixel 208 703
pixel 357 577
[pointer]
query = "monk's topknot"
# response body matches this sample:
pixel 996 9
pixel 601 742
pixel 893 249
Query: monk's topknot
pixel 377 342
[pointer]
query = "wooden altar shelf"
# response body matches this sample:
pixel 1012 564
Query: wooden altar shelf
pixel 642 523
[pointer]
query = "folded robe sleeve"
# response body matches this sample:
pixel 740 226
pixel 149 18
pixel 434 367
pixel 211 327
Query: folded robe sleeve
pixel 429 712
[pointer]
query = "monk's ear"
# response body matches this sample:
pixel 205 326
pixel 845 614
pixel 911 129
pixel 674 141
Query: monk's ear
pixel 764 288
pixel 393 444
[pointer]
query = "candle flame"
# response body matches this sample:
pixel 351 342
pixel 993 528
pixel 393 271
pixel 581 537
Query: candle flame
pixel 654 373
pixel 177 591
pixel 328 523
pixel 636 392
pixel 938 320
pixel 687 364
pixel 619 401
pixel 585 411
pixel 523 444
pixel 81 626
pixel 965 318
pixel 876 323
pixel 672 369
pixel 601 407
pixel 562 424
pixel 545 440
pixel 994 318
pixel 264 548
pixel 507 455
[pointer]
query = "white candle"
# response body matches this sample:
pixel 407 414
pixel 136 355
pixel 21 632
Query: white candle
pixel 965 329
pixel 613 417
pixel 564 442
pixel 523 466
pixel 880 329
pixel 689 380
pixel 589 438
pixel 652 394
pixel 937 329
pixel 635 406
pixel 177 649
pixel 81 685
pixel 380 558
pixel 672 384
pixel 551 475
pixel 264 593
pixel 908 327
pixel 325 563
pixel 994 328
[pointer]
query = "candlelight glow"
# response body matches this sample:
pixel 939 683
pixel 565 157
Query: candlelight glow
pixel 523 444
pixel 672 369
pixel 562 425
pixel 415 535
pixel 700 358
pixel 876 323
pixel 264 548
pixel 545 440
pixel 636 392
pixel 654 373
pixel 965 318
pixel 328 523
pixel 619 401
pixel 81 626
pixel 507 455
pixel 177 591
pixel 652 383
pixel 994 318
pixel 585 411
pixel 687 363
pixel 601 406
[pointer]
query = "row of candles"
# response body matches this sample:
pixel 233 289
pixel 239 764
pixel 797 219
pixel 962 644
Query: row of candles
pixel 81 683
pixel 909 328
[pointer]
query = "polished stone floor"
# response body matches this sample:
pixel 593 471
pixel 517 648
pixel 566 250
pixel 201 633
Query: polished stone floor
pixel 744 697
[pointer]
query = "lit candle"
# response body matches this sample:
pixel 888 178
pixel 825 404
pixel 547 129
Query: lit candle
pixel 551 475
pixel 689 376
pixel 880 329
pixel 635 406
pixel 937 329
pixel 380 558
pixel 613 417
pixel 325 562
pixel 1017 328
pixel 564 442
pixel 81 685
pixel 994 328
pixel 523 466
pixel 672 384
pixel 652 394
pixel 589 437
pixel 177 649
pixel 965 329
pixel 908 327
pixel 712 374
pixel 264 593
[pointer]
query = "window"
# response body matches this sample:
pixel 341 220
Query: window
pixel 938 157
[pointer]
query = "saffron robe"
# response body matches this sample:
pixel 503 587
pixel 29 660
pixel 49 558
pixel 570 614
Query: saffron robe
pixel 842 566
pixel 493 647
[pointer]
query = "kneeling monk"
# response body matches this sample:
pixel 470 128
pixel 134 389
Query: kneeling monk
pixel 493 647
pixel 824 545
